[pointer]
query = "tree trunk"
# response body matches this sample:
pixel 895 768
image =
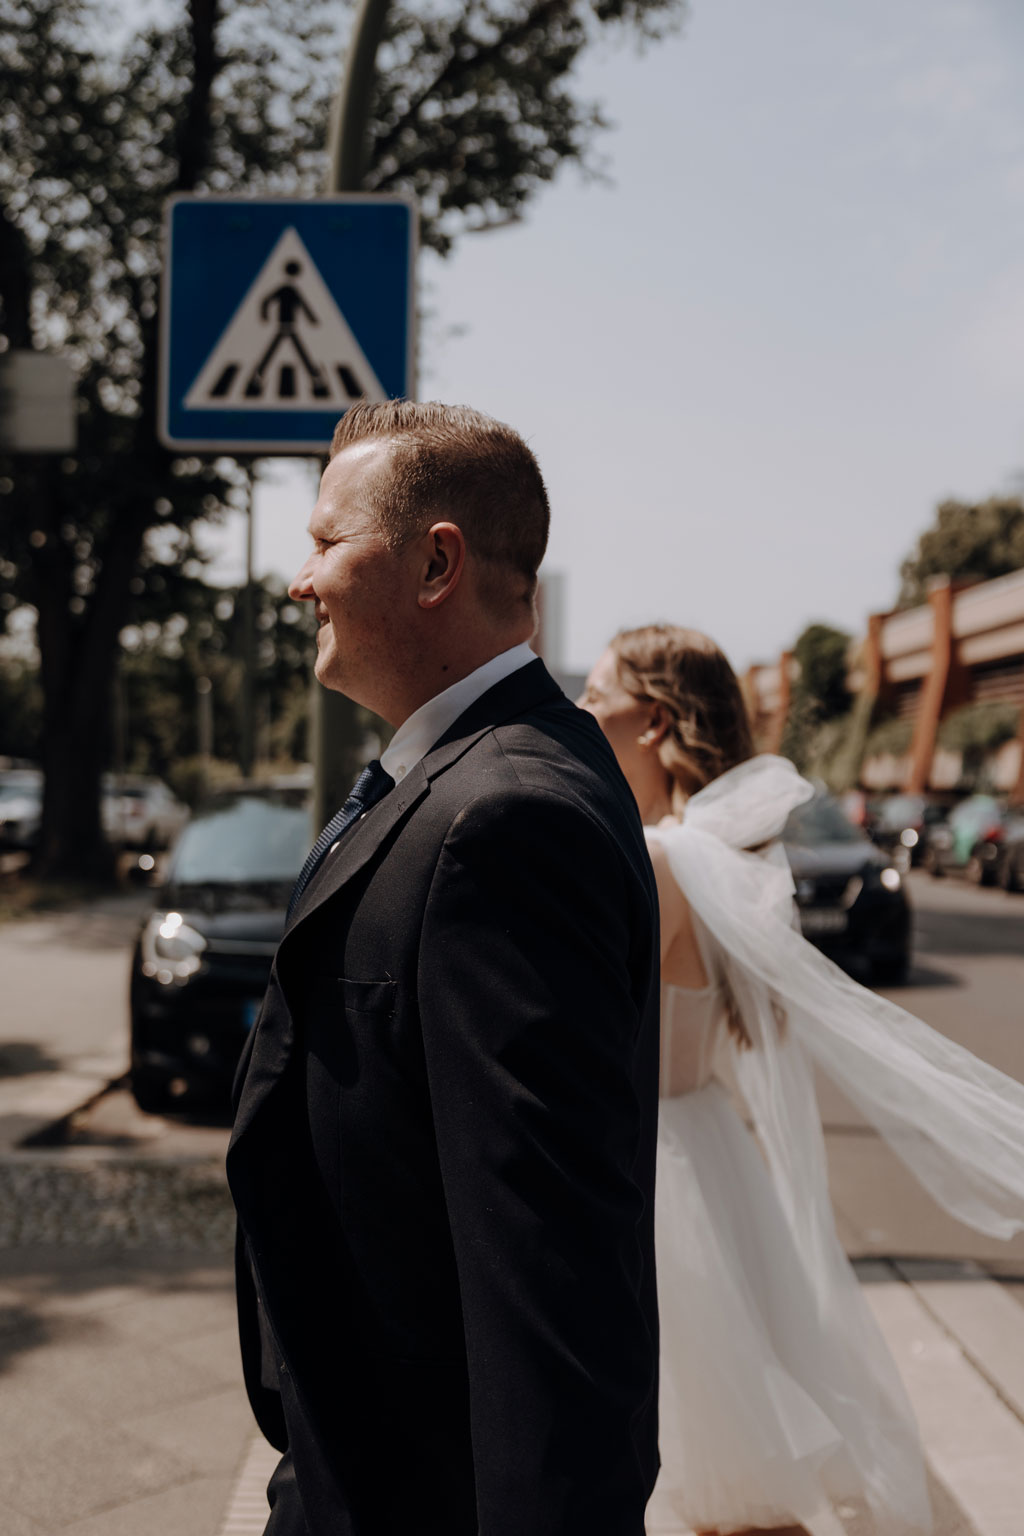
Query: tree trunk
pixel 78 666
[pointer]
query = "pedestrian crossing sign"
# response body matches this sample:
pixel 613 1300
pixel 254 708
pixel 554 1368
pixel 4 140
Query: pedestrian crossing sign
pixel 278 314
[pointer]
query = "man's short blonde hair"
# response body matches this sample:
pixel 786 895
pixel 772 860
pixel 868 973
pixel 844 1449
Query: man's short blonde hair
pixel 449 463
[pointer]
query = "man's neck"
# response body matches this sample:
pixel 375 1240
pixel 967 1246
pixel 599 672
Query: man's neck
pixel 446 669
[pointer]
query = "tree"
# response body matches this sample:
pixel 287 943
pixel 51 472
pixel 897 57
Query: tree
pixel 474 111
pixel 820 694
pixel 194 646
pixel 982 540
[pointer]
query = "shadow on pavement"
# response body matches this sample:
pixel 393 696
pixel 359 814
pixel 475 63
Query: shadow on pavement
pixel 926 976
pixel 969 933
pixel 21 1058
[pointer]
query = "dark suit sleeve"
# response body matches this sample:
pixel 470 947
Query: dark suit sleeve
pixel 530 1021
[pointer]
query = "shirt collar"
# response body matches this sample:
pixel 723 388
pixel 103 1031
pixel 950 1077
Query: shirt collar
pixel 426 725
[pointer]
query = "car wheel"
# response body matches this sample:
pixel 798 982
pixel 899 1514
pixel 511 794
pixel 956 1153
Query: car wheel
pixel 976 870
pixel 932 864
pixel 1009 879
pixel 892 971
pixel 151 1091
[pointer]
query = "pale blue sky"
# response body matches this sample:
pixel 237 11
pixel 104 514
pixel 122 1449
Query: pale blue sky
pixel 752 366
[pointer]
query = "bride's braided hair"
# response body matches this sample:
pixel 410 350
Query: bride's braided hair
pixel 708 729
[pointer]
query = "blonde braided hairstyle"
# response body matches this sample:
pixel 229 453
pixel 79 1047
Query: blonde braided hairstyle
pixel 707 729
pixel 707 726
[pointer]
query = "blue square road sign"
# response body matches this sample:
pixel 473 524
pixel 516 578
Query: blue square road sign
pixel 278 314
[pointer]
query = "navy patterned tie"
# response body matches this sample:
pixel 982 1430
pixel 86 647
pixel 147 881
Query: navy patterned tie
pixel 372 783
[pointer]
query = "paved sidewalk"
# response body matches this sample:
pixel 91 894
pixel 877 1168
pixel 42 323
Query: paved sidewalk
pixel 64 1010
pixel 122 1411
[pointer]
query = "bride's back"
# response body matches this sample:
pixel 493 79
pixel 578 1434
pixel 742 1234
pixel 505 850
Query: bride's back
pixel 692 1021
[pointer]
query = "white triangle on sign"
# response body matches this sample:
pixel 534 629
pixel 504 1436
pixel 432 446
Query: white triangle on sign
pixel 288 346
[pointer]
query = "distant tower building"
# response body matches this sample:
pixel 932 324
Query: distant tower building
pixel 549 641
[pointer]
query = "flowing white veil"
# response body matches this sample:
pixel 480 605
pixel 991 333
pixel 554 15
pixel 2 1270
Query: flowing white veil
pixel 956 1122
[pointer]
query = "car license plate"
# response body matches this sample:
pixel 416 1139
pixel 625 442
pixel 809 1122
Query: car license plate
pixel 822 920
pixel 251 1011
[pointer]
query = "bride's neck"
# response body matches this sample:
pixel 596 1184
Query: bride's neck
pixel 656 805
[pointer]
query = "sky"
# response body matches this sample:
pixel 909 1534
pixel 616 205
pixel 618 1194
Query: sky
pixel 754 363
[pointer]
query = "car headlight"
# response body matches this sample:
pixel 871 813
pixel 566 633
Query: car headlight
pixel 909 838
pixel 890 878
pixel 171 949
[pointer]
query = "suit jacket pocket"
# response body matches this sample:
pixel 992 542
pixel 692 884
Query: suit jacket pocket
pixel 372 997
pixel 342 1015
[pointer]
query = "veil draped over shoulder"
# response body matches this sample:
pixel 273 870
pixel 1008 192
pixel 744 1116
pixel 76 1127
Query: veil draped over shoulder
pixel 957 1123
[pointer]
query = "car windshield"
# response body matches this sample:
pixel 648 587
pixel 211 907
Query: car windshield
pixel 901 811
pixel 244 837
pixel 20 789
pixel 819 821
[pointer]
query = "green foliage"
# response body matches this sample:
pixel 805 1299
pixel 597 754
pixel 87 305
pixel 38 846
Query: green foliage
pixel 983 541
pixel 21 708
pixel 819 693
pixel 820 653
pixel 192 778
pixel 980 727
pixel 197 642
pixel 889 738
pixel 475 109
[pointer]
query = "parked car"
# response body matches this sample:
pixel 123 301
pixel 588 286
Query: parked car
pixel 21 807
pixel 140 812
pixel 901 825
pixel 203 955
pixel 1009 861
pixel 968 841
pixel 850 896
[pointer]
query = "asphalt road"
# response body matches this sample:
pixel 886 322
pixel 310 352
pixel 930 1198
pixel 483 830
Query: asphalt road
pixel 967 980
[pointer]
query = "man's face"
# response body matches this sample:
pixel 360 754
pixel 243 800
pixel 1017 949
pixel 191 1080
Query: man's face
pixel 361 590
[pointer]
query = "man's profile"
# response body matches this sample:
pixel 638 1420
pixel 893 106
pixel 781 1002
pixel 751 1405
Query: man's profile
pixel 443 1153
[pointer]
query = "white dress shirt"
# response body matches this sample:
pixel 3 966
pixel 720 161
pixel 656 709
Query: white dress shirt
pixel 426 725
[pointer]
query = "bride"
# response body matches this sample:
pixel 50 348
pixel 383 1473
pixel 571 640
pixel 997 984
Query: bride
pixel 779 1400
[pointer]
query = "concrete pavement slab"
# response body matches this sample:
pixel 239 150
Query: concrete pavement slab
pixel 190 1510
pixel 246 1512
pixel 883 1210
pixel 974 1442
pixel 984 1319
pixel 117 1417
pixel 63 1032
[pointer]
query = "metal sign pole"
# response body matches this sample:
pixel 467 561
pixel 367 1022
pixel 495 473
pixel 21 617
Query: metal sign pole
pixel 337 732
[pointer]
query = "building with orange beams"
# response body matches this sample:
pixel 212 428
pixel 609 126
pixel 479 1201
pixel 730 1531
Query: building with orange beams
pixel 964 646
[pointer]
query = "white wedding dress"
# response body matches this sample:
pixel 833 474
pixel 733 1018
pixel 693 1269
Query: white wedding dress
pixel 779 1400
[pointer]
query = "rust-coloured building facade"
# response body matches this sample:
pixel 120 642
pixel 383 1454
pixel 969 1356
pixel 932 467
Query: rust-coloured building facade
pixel 964 646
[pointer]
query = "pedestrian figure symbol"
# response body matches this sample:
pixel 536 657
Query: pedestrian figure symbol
pixel 288 346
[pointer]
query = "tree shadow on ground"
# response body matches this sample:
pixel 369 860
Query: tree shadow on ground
pixel 23 1058
pixel 67 1296
pixel 969 933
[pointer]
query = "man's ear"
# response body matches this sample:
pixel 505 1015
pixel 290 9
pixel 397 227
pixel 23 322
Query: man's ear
pixel 445 555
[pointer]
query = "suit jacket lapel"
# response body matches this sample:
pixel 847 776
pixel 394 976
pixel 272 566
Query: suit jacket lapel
pixel 521 691
pixel 270 1046
pixel 526 689
pixel 359 843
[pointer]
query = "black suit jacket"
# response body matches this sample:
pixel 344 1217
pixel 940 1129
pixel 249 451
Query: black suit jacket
pixel 443 1154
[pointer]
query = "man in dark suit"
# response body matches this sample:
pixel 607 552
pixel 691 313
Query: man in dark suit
pixel 443 1154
